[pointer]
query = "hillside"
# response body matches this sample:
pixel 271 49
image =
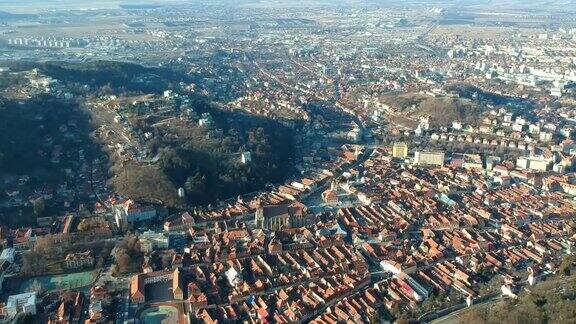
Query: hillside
pixel 552 301
pixel 105 76
pixel 205 160
pixel 442 110
pixel 46 156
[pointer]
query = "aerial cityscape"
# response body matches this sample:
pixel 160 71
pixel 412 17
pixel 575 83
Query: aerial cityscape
pixel 287 161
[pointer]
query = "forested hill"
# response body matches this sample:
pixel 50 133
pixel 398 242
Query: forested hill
pixel 106 75
pixel 206 161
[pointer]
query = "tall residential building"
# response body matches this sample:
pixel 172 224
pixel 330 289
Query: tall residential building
pixel 429 158
pixel 400 150
pixel 533 163
pixel 21 304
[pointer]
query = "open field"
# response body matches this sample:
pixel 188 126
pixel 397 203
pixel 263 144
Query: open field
pixel 480 32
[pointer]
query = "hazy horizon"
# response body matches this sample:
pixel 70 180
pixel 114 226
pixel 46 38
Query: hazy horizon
pixel 34 6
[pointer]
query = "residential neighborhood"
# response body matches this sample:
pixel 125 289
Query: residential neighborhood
pixel 288 162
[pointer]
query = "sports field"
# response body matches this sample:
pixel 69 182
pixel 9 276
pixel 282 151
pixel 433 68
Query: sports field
pixel 58 282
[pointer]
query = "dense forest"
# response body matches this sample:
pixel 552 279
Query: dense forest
pixel 105 76
pixel 209 168
pixel 43 139
pixel 29 127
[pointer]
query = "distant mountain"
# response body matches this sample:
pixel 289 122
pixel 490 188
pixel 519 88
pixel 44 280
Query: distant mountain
pixel 5 15
pixel 39 5
pixel 490 4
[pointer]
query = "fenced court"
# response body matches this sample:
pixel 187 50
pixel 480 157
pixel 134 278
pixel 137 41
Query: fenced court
pixel 59 282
